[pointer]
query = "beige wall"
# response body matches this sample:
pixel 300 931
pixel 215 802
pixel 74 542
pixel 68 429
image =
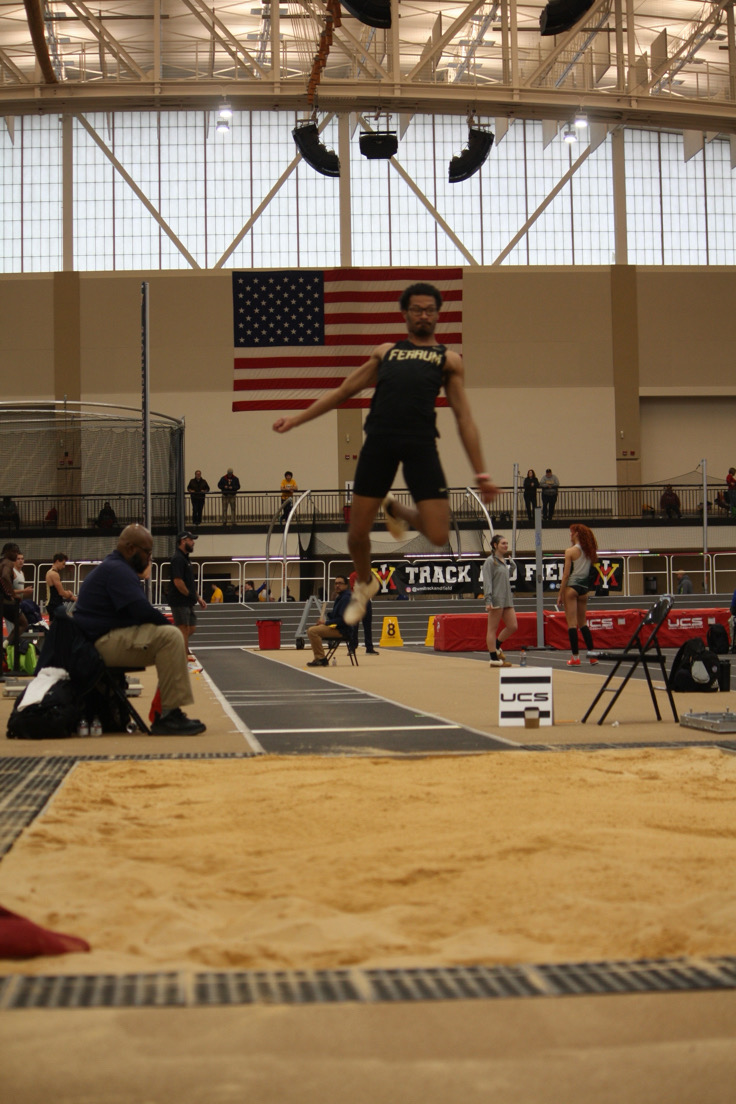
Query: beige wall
pixel 544 373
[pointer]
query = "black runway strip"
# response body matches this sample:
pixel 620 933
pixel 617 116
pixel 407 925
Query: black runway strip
pixel 293 712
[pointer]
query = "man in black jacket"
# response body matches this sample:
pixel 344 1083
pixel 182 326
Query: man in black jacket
pixel 229 486
pixel 197 488
pixel 182 593
pixel 333 627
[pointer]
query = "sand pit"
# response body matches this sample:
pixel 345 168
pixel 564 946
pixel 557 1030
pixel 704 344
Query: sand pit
pixel 314 863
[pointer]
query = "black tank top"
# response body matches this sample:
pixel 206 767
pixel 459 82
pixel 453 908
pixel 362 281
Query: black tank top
pixel 409 380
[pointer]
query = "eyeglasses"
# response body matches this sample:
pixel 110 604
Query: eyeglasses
pixel 418 311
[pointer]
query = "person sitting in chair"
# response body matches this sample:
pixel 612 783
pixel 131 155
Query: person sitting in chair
pixel 106 518
pixel 333 627
pixel 113 612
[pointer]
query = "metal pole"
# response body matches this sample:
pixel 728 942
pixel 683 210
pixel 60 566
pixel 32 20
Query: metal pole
pixel 539 575
pixel 707 586
pixel 515 508
pixel 145 420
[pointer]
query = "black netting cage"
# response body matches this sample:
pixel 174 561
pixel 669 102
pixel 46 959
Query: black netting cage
pixel 70 461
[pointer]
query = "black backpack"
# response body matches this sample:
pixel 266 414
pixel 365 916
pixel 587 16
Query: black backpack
pixel 717 638
pixel 55 717
pixel 694 668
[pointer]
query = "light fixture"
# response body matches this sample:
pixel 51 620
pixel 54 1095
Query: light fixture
pixel 374 13
pixel 466 163
pixel 317 156
pixel 561 15
pixel 380 145
pixel 222 126
pixel 569 135
pixel 580 121
pixel 226 111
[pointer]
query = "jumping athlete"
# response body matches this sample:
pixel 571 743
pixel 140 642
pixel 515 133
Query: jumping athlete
pixel 401 429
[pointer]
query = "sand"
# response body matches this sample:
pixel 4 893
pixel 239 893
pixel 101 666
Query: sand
pixel 271 863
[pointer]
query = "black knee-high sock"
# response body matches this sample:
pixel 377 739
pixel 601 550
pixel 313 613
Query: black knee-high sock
pixel 573 634
pixel 587 637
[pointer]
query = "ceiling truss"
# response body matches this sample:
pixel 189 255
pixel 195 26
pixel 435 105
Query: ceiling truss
pixel 658 63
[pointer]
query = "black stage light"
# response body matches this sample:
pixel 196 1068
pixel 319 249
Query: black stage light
pixel 314 153
pixel 374 13
pixel 470 160
pixel 379 146
pixel 561 15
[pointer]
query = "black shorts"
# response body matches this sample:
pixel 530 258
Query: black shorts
pixel 580 588
pixel 183 615
pixel 379 461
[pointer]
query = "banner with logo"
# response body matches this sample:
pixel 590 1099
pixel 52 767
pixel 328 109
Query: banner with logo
pixel 450 576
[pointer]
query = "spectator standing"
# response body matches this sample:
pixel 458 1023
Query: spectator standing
pixel 731 489
pixel 182 593
pixel 114 613
pixel 288 486
pixel 250 593
pixel 20 587
pixel 56 592
pixel 550 486
pixel 228 486
pixel 106 518
pixel 9 513
pixel 669 503
pixel 333 627
pixel 52 518
pixel 531 486
pixel 197 489
pixel 10 604
pixel 684 583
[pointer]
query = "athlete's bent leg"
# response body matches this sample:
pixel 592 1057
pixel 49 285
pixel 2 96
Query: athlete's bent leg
pixel 433 519
pixel 363 513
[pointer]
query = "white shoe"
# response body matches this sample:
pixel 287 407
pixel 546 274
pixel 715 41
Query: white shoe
pixel 396 525
pixel 362 594
pixel 194 665
pixel 498 663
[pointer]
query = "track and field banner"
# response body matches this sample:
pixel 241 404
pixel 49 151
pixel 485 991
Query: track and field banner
pixel 299 332
pixel 609 574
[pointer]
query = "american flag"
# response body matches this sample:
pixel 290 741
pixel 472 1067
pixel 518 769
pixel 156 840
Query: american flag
pixel 300 332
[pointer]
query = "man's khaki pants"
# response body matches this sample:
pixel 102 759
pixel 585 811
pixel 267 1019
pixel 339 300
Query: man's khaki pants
pixel 318 633
pixel 146 645
pixel 228 506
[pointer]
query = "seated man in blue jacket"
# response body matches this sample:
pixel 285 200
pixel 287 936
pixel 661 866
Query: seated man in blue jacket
pixel 114 613
pixel 333 626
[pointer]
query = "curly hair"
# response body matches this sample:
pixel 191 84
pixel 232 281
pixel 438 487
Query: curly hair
pixel 586 539
pixel 419 289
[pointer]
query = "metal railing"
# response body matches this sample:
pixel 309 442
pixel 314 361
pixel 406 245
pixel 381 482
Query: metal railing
pixel 87 512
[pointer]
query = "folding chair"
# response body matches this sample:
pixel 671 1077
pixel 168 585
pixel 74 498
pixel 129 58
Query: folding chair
pixel 638 652
pixel 333 643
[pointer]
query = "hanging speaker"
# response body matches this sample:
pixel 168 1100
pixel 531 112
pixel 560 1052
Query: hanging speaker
pixel 374 13
pixel 470 159
pixel 314 153
pixel 561 15
pixel 380 146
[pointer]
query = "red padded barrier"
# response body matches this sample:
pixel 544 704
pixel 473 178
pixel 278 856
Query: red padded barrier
pixel 682 624
pixel 610 628
pixel 466 632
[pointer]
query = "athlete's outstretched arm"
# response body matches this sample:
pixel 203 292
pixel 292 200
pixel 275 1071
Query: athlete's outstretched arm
pixel 364 376
pixel 468 430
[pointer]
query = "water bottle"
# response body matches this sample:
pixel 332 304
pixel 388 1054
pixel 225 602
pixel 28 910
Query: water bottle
pixel 95 729
pixel 522 661
pixel 334 661
pixel 83 727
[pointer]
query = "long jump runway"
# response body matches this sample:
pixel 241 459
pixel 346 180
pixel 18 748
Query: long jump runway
pixel 293 712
